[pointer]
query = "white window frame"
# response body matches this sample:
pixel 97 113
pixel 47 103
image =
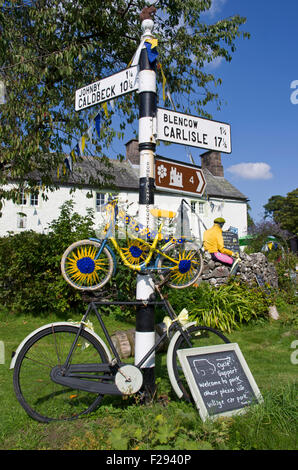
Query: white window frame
pixel 23 198
pixel 34 199
pixel 100 197
pixel 21 221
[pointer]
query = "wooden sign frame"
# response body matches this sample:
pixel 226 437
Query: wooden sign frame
pixel 200 352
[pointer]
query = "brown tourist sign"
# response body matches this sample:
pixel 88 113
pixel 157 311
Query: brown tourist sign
pixel 173 176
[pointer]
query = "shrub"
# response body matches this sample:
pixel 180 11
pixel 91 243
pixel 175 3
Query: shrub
pixel 30 276
pixel 224 307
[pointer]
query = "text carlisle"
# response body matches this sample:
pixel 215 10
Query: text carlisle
pixel 193 131
pixel 107 89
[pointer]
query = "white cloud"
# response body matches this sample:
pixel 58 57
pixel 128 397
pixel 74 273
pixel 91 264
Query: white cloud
pixel 214 64
pixel 216 7
pixel 251 171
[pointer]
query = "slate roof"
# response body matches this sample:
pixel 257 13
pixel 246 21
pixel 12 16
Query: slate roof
pixel 118 174
pixel 123 175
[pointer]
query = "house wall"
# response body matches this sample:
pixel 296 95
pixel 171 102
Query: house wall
pixel 39 216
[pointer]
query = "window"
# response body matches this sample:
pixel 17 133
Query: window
pixel 197 207
pixel 201 208
pixel 100 201
pixel 22 198
pixel 21 220
pixel 34 199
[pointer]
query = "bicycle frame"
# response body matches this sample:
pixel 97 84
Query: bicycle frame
pixel 92 306
pixel 144 266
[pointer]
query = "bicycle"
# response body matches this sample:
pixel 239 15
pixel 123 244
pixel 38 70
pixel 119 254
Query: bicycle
pixel 63 370
pixel 89 264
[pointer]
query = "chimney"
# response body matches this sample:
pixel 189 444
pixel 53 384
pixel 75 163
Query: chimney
pixel 212 161
pixel 132 151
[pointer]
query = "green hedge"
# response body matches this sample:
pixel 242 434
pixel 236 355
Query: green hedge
pixel 30 276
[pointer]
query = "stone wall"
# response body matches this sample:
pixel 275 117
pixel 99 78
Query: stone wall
pixel 216 273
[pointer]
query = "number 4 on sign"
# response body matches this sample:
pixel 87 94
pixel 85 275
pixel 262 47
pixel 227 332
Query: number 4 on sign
pixel 191 180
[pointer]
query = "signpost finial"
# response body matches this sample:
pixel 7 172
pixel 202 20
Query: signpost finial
pixel 147 20
pixel 147 12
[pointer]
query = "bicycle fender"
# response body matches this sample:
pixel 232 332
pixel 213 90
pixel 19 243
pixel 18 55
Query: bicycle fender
pixel 169 360
pixel 103 344
pixel 110 250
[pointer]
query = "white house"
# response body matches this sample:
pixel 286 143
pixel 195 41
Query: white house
pixel 220 198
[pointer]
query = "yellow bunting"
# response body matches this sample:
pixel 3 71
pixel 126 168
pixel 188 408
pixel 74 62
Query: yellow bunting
pixel 164 80
pixel 105 107
pixel 83 141
pixel 153 42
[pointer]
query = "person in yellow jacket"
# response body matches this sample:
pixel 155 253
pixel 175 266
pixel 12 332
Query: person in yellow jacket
pixel 214 244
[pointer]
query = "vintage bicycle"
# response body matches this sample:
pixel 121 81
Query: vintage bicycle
pixel 63 370
pixel 89 264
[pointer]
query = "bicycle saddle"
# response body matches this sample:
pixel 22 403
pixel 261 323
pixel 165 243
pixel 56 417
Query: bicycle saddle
pixel 163 213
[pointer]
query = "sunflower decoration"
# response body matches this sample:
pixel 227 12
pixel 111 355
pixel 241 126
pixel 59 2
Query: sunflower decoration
pixel 84 267
pixel 185 269
pixel 136 252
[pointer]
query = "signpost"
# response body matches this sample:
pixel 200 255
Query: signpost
pixel 163 124
pixel 107 89
pixel 194 131
pixel 173 176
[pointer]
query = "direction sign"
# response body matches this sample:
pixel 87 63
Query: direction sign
pixel 193 131
pixel 173 176
pixel 107 89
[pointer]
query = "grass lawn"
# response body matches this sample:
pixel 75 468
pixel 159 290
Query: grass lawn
pixel 166 423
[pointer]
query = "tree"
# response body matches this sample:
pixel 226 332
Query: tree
pixel 250 221
pixel 49 48
pixel 284 211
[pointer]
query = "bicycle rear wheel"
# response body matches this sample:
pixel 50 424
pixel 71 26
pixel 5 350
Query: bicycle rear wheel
pixel 198 336
pixel 187 268
pixel 83 268
pixel 43 399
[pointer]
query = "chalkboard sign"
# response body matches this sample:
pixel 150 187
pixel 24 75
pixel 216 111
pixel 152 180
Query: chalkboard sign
pixel 219 379
pixel 231 241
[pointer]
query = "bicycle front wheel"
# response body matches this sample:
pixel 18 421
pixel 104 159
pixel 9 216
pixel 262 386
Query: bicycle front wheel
pixel 197 336
pixel 84 268
pixel 43 399
pixel 185 267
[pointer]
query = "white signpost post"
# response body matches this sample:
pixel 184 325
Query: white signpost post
pixel 194 131
pixel 107 89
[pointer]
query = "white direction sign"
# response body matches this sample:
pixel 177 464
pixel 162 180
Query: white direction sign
pixel 107 89
pixel 178 177
pixel 193 131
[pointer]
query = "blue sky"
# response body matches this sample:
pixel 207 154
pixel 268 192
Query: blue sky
pixel 256 92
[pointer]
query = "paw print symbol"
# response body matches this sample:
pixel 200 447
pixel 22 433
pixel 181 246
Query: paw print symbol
pixel 162 172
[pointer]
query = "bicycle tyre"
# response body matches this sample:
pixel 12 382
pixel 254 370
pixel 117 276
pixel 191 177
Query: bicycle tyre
pixel 199 336
pixel 43 399
pixel 82 270
pixel 189 268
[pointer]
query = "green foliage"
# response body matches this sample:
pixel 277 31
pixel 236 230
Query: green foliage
pixel 284 211
pixel 285 267
pixel 225 307
pixel 48 49
pixel 30 276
